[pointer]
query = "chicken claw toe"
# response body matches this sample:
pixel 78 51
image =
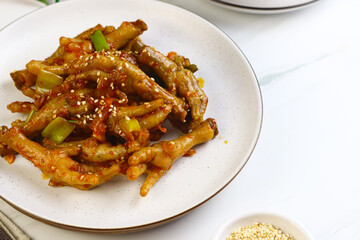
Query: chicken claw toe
pixel 160 157
pixel 57 165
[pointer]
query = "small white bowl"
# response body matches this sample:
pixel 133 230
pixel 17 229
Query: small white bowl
pixel 285 224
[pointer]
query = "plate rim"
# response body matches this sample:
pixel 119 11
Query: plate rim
pixel 160 222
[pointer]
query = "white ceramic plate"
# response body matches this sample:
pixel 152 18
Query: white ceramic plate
pixel 285 224
pixel 234 100
pixel 264 6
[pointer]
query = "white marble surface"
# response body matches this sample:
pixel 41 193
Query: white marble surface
pixel 306 164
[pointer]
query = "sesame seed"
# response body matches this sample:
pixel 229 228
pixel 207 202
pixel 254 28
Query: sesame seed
pixel 100 115
pixel 259 231
pixel 156 90
pixel 78 116
pixel 72 90
pixel 127 118
pixel 123 84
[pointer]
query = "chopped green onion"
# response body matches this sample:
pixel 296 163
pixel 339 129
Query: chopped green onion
pixel 46 81
pixel 58 130
pixel 72 121
pixel 133 125
pixel 192 67
pixel 99 41
pixel 31 114
pixel 130 125
pixel 44 1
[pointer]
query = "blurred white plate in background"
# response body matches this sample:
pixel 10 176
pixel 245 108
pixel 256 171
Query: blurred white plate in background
pixel 264 6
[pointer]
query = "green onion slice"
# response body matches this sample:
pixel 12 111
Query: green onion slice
pixel 129 125
pixel 31 114
pixel 99 41
pixel 44 1
pixel 46 81
pixel 58 130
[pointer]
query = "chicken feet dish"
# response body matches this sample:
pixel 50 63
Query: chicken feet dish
pixel 97 110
